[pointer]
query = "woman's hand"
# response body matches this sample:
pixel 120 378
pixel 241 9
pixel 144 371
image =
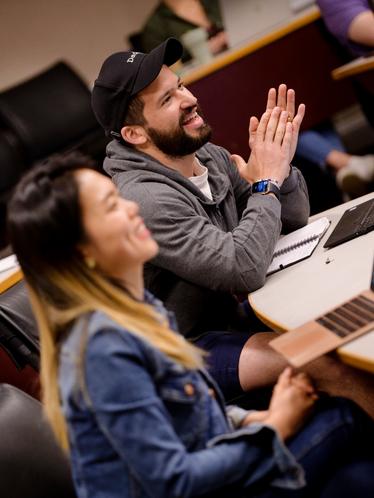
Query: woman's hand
pixel 292 401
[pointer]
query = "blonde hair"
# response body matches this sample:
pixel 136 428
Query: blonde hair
pixel 45 228
pixel 81 290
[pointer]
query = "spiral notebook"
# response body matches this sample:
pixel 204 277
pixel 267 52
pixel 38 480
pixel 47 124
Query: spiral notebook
pixel 298 245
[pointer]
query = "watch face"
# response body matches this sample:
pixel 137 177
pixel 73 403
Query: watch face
pixel 260 186
pixel 266 187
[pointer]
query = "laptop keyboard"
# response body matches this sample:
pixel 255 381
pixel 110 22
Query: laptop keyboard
pixel 349 317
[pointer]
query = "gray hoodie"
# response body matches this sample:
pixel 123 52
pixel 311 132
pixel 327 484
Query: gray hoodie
pixel 210 250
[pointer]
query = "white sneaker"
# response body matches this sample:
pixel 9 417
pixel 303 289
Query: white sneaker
pixel 355 178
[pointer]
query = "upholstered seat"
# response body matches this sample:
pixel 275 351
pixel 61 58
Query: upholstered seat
pixel 18 330
pixel 32 465
pixel 49 112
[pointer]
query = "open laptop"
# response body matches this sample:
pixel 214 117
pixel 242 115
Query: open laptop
pixel 354 222
pixel 342 324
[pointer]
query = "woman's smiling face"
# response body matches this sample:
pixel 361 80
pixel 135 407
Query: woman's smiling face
pixel 116 237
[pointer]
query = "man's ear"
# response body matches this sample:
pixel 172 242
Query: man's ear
pixel 134 135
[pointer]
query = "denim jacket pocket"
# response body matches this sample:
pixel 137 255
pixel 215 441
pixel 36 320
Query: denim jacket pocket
pixel 183 393
pixel 183 400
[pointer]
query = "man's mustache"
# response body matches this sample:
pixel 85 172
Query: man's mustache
pixel 186 112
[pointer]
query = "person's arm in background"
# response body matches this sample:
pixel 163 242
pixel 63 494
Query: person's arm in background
pixel 361 29
pixel 164 23
pixel 219 41
pixel 350 21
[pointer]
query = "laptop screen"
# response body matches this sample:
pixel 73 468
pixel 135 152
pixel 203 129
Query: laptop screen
pixel 355 221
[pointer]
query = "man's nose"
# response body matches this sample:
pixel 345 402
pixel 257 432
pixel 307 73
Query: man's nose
pixel 188 99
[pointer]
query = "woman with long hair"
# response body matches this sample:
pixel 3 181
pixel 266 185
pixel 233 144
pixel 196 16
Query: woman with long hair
pixel 128 396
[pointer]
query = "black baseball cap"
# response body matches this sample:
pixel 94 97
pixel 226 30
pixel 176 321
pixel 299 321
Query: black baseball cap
pixel 122 76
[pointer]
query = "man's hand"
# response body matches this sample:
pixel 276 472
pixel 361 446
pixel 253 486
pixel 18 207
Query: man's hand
pixel 285 99
pixel 270 140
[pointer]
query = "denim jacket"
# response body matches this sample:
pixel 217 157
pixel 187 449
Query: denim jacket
pixel 141 425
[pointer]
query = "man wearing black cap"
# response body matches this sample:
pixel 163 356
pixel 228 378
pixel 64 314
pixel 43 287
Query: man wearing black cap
pixel 216 224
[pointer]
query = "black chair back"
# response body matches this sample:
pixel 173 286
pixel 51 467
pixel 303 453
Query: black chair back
pixel 18 330
pixel 49 111
pixel 32 464
pixel 12 162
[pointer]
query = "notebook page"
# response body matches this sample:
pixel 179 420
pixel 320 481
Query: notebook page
pixel 298 245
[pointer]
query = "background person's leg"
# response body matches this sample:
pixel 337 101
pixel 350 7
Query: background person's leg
pixel 324 148
pixel 260 366
pixel 315 147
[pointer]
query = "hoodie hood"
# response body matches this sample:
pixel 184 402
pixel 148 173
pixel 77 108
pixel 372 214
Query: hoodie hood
pixel 140 167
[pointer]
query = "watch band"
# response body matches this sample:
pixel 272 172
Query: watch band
pixel 266 187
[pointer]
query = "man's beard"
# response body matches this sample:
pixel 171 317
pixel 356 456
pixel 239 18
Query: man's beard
pixel 177 143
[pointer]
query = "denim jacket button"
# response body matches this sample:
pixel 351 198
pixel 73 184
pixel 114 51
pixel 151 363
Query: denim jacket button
pixel 189 389
pixel 211 392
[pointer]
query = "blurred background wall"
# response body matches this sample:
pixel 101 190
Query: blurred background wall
pixel 36 33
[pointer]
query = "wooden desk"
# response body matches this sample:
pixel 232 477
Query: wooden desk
pixel 355 67
pixel 9 278
pixel 310 288
pixel 234 85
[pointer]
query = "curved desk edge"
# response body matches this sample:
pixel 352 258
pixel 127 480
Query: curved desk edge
pixel 351 358
pixel 346 353
pixel 355 360
pixel 278 327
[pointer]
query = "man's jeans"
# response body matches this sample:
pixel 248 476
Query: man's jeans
pixel 315 145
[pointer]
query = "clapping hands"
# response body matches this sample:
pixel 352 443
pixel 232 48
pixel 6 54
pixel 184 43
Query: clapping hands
pixel 273 139
pixel 285 99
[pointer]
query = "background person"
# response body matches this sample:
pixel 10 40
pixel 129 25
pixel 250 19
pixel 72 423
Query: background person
pixel 351 22
pixel 173 18
pixel 127 394
pixel 323 147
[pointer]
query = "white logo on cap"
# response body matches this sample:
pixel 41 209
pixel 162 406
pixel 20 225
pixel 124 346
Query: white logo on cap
pixel 132 56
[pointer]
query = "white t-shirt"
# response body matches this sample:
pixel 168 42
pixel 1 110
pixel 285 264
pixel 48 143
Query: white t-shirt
pixel 200 179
